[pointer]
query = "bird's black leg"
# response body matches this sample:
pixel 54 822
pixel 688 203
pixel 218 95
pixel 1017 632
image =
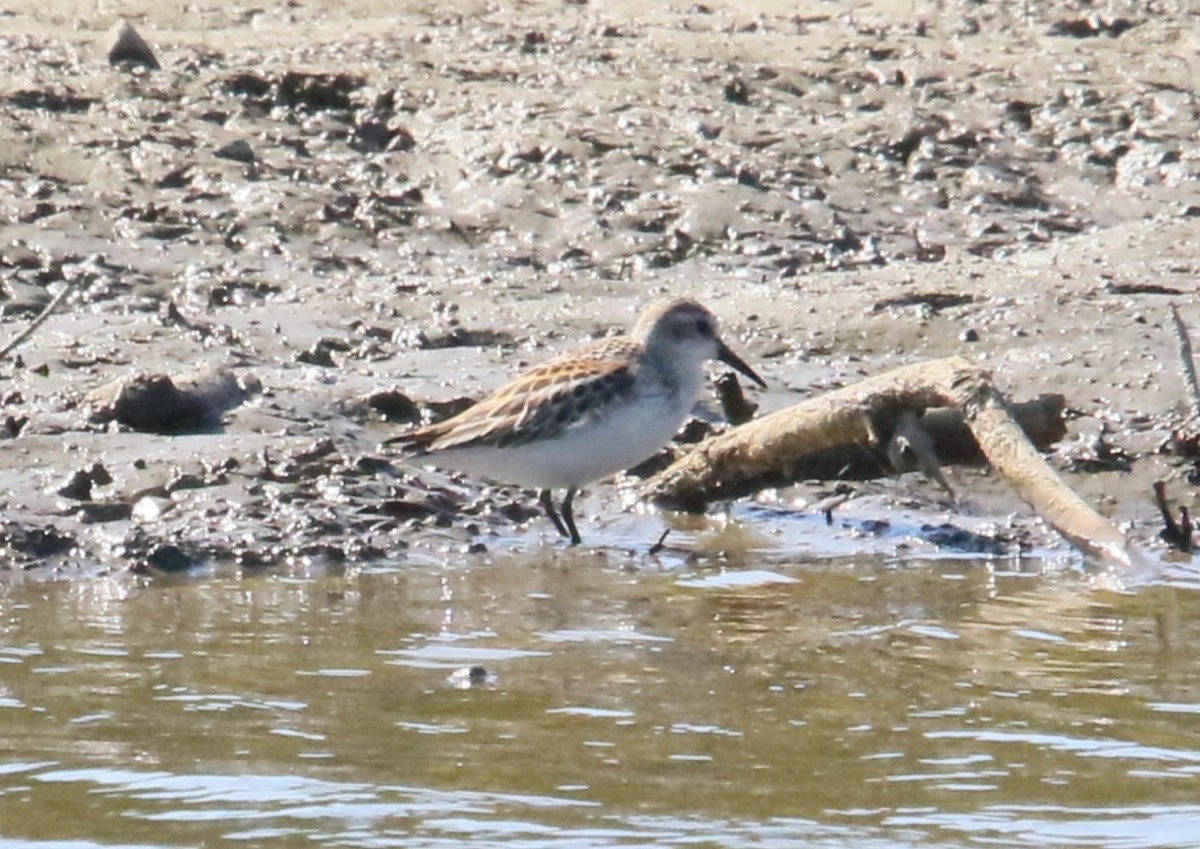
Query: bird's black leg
pixel 568 515
pixel 548 505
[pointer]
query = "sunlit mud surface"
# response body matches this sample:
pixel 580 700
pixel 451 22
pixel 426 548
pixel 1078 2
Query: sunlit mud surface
pixel 363 214
pixel 615 701
pixel 263 629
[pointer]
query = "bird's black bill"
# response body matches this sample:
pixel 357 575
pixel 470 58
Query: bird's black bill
pixel 727 356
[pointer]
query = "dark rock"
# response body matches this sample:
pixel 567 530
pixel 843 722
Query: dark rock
pixel 13 425
pixel 99 512
pixel 947 536
pixel 51 101
pixel 321 352
pixel 131 50
pixel 247 84
pixel 460 337
pixel 176 179
pixel 736 91
pixel 249 558
pixel 933 302
pixel 1091 27
pixel 318 450
pixel 394 406
pixel 317 92
pixel 238 150
pixel 533 41
pixel 1020 114
pixel 40 543
pixel 405 508
pixel 79 486
pixel 376 135
pixel 155 404
pixel 169 558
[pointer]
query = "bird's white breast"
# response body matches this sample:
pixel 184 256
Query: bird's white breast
pixel 628 432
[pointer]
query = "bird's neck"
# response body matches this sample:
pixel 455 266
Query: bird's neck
pixel 680 377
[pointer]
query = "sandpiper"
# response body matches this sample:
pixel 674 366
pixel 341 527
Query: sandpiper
pixel 586 414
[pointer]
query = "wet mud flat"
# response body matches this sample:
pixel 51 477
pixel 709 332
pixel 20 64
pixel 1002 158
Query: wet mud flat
pixel 346 219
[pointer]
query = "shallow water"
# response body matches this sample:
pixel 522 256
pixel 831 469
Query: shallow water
pixel 628 702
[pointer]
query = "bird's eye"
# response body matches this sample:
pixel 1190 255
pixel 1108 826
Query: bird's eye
pixel 704 327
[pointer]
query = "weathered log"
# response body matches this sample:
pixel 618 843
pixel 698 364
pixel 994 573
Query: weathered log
pixel 777 447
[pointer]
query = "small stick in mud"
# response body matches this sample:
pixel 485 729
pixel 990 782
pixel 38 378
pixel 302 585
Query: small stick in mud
pixel 68 287
pixel 1176 534
pixel 660 545
pixel 738 410
pixel 910 440
pixel 827 505
pixel 1187 360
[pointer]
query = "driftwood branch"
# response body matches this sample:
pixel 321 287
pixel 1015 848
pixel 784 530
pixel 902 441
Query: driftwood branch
pixel 779 446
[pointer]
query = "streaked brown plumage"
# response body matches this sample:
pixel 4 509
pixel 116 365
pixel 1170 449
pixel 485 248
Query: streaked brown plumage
pixel 585 414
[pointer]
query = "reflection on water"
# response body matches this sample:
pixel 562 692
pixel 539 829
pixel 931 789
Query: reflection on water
pixel 579 699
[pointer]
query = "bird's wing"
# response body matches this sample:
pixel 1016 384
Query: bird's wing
pixel 539 403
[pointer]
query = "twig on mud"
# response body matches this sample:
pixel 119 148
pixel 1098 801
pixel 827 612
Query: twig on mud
pixel 660 545
pixel 1177 534
pixel 1187 360
pixel 68 287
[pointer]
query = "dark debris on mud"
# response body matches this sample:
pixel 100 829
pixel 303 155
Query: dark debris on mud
pixel 205 194
pixel 314 505
pixel 727 159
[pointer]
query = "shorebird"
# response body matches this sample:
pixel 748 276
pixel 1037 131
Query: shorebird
pixel 586 414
